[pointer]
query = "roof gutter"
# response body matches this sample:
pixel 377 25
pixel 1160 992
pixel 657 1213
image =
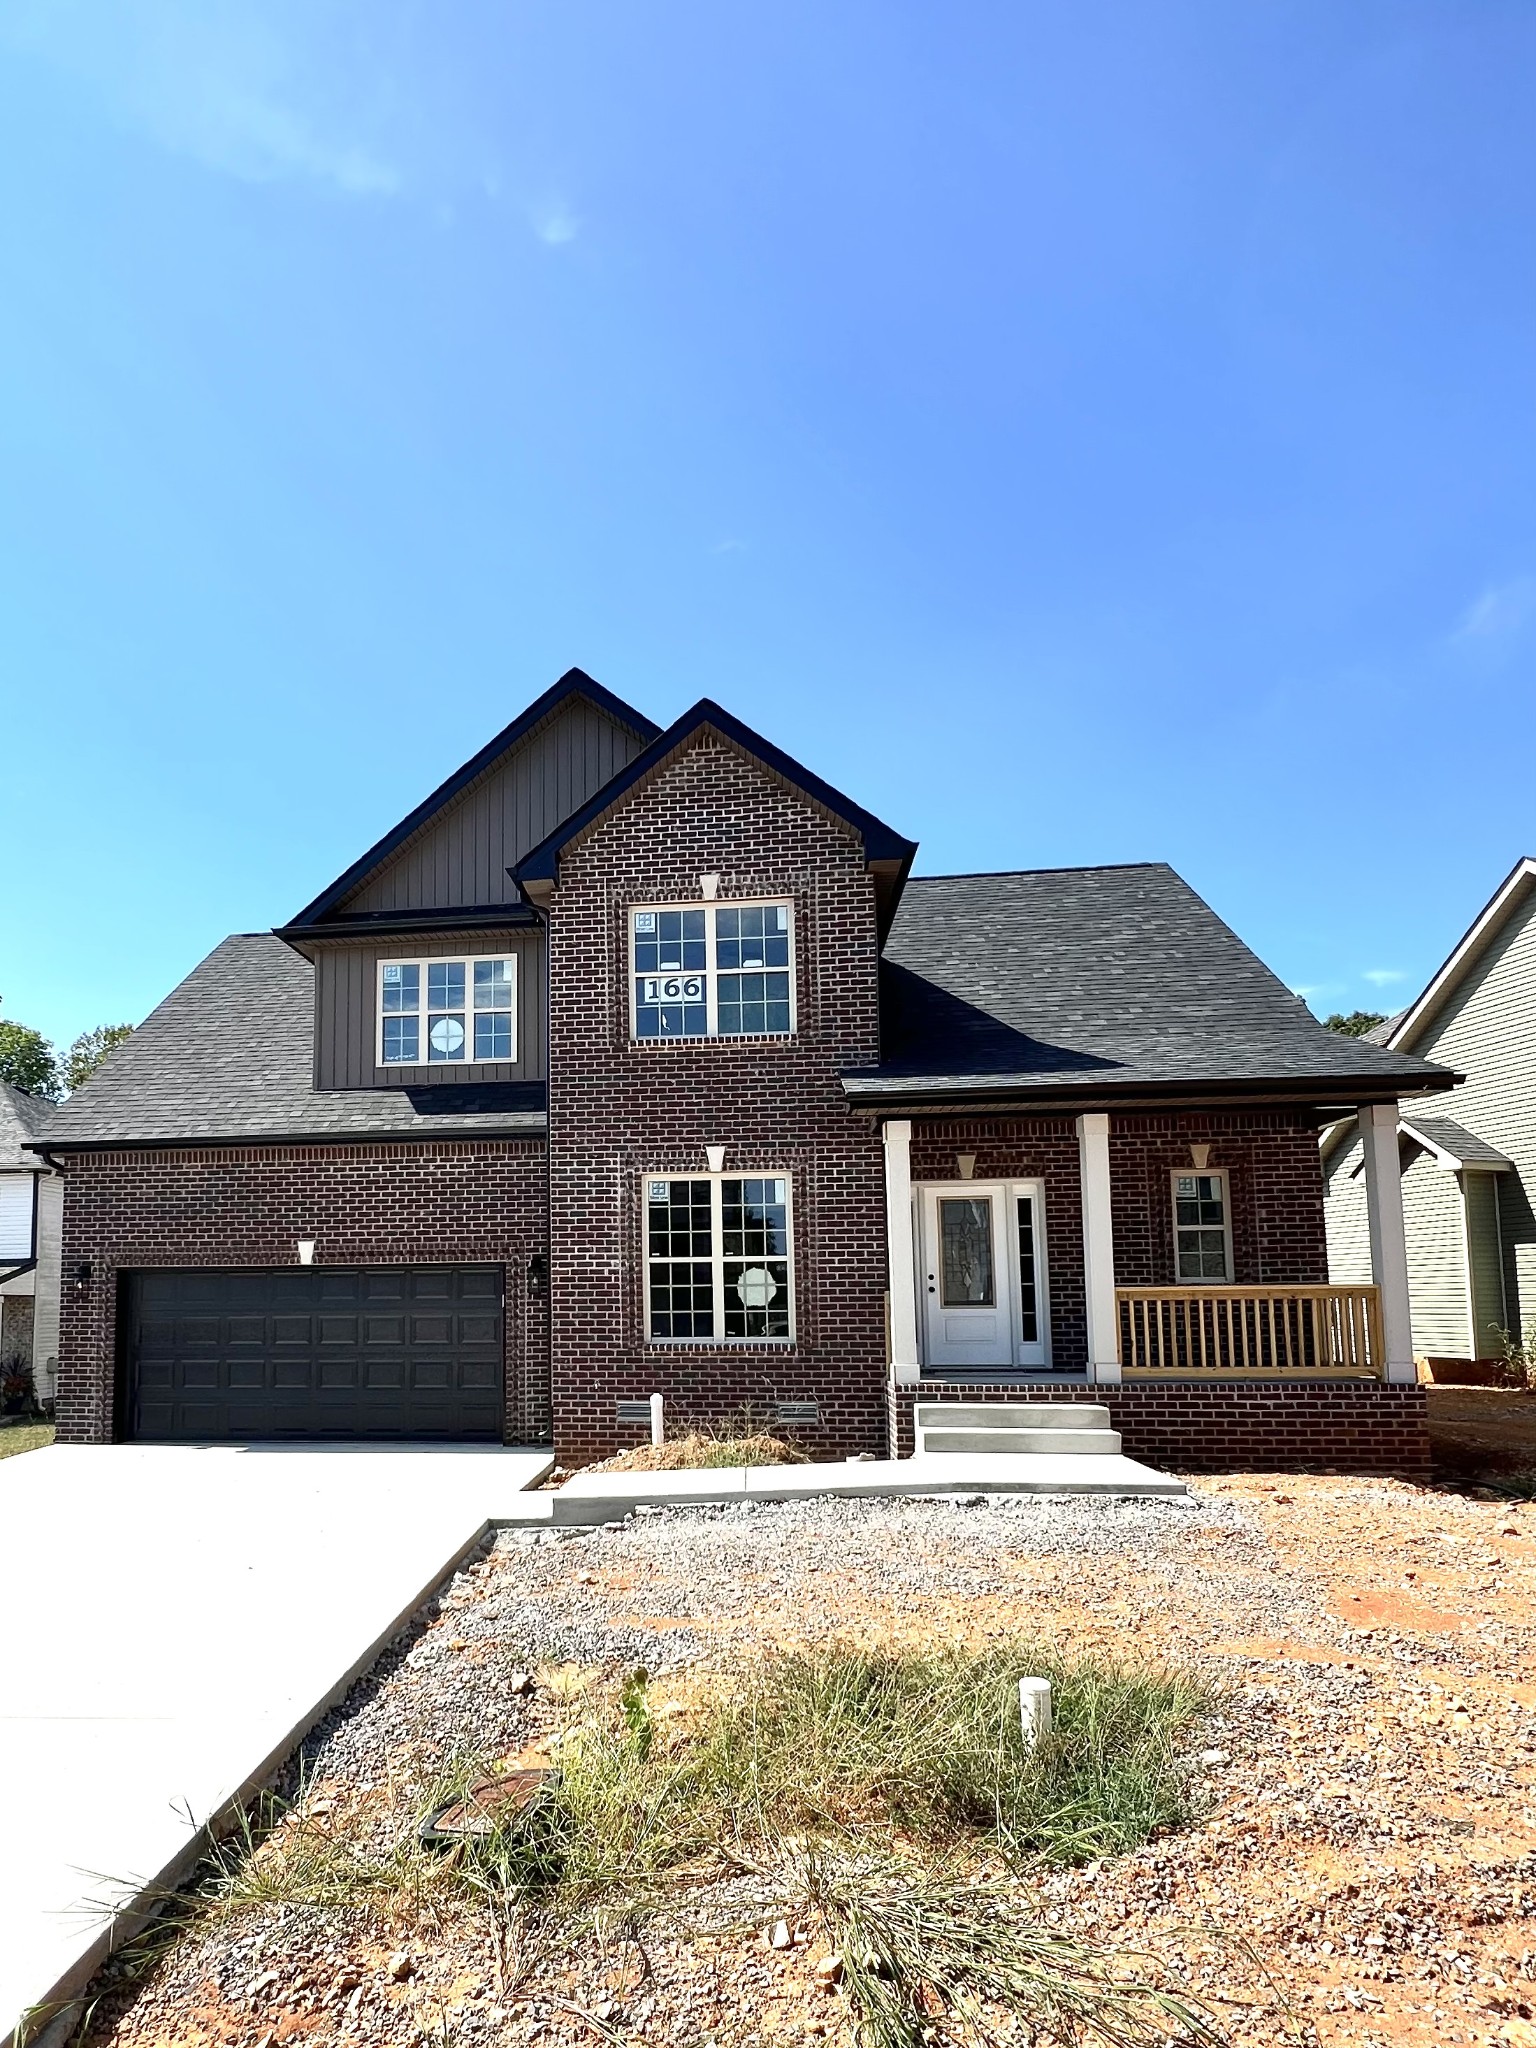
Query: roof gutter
pixel 1144 1095
pixel 246 1141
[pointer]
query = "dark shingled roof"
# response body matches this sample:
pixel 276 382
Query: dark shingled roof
pixel 1457 1142
pixel 229 1055
pixel 22 1117
pixel 1085 981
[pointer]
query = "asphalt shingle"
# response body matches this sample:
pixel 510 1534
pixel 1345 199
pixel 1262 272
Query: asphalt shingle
pixel 1072 979
pixel 229 1055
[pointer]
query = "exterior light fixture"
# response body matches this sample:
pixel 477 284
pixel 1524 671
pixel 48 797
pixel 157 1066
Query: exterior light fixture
pixel 538 1277
pixel 83 1275
pixel 306 1251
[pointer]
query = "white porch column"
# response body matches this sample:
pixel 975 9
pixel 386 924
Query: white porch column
pixel 906 1365
pixel 1389 1247
pixel 1098 1250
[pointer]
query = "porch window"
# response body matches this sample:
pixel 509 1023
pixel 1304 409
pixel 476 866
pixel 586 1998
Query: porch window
pixel 718 1262
pixel 712 970
pixel 447 1012
pixel 1202 1228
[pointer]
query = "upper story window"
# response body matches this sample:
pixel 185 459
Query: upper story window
pixel 434 1012
pixel 713 970
pixel 1202 1228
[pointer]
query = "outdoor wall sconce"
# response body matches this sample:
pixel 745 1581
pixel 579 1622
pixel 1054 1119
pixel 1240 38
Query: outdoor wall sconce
pixel 83 1276
pixel 306 1251
pixel 538 1277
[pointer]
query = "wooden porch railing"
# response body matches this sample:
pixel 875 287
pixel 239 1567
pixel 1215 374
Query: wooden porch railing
pixel 1271 1330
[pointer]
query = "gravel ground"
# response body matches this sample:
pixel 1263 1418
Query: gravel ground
pixel 1363 1870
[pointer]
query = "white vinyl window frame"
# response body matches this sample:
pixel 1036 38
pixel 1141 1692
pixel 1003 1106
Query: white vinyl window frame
pixel 1216 1173
pixel 719 1258
pixel 711 971
pixel 423 1010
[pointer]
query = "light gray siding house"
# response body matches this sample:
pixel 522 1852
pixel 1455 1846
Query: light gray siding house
pixel 31 1216
pixel 1469 1162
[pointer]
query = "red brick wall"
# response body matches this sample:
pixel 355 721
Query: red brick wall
pixel 1025 1148
pixel 479 1201
pixel 1274 1173
pixel 1227 1426
pixel 619 1109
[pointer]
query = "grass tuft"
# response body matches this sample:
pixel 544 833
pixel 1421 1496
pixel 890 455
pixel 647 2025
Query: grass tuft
pixel 699 1451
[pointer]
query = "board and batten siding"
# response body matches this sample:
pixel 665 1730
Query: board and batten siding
pixel 1487 1030
pixel 460 857
pixel 346 1011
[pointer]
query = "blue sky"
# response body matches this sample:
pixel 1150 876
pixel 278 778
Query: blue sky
pixel 1082 431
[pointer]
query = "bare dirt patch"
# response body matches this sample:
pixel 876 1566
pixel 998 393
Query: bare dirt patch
pixel 1482 1433
pixel 1361 1868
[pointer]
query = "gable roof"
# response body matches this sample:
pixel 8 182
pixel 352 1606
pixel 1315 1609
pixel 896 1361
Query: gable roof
pixel 1453 1144
pixel 22 1118
pixel 574 683
pixel 1113 981
pixel 228 1058
pixel 885 850
pixel 1511 893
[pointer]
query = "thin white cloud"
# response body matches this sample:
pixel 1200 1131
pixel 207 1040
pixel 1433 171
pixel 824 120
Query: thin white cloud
pixel 1379 977
pixel 1499 612
pixel 554 222
pixel 222 83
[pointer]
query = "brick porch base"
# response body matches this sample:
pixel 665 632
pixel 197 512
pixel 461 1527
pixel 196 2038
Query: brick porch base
pixel 1358 1426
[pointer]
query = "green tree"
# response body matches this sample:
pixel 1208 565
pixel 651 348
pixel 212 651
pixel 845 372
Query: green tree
pixel 88 1052
pixel 1356 1024
pixel 27 1060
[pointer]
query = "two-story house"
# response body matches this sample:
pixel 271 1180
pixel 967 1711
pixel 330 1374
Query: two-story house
pixel 637 1061
pixel 1468 1161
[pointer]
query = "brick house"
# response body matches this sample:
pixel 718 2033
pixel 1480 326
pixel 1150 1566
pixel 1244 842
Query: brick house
pixel 637 1061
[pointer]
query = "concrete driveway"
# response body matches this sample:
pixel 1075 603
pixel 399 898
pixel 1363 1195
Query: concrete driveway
pixel 173 1620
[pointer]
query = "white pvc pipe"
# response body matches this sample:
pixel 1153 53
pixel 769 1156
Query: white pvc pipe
pixel 1034 1709
pixel 658 1428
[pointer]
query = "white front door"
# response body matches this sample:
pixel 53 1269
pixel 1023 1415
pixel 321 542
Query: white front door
pixel 982 1278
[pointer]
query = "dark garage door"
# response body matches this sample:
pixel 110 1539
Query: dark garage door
pixel 314 1351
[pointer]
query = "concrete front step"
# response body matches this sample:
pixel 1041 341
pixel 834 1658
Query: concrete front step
pixel 1020 1443
pixel 1010 1415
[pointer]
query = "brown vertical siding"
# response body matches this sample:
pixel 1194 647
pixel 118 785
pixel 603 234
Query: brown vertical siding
pixel 346 984
pixel 461 856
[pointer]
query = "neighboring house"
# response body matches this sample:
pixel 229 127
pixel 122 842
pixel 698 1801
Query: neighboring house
pixel 31 1209
pixel 635 1061
pixel 1468 1158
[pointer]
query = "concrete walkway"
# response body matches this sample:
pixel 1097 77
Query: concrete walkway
pixel 603 1496
pixel 174 1620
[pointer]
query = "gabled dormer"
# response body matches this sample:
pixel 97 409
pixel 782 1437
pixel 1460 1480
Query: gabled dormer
pixel 429 966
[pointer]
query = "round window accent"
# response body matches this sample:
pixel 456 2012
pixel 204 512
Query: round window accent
pixel 448 1037
pixel 757 1287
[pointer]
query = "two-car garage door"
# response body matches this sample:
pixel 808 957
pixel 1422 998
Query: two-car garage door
pixel 321 1352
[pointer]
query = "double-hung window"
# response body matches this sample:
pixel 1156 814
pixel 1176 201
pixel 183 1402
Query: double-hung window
pixel 1202 1228
pixel 434 1012
pixel 712 970
pixel 718 1263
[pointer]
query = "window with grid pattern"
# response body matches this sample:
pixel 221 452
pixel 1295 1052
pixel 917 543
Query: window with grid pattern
pixel 447 1012
pixel 1202 1234
pixel 718 1258
pixel 713 970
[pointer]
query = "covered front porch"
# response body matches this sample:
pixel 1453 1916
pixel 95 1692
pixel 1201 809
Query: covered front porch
pixel 1004 1269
